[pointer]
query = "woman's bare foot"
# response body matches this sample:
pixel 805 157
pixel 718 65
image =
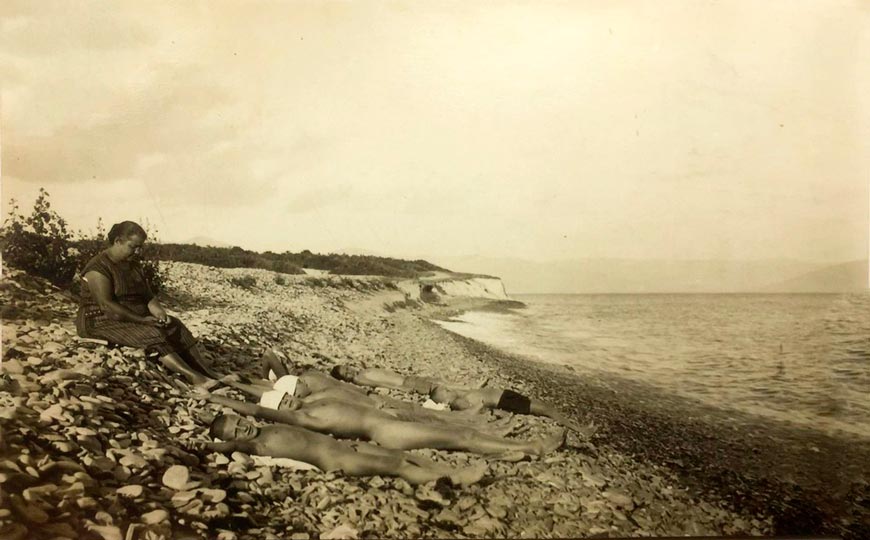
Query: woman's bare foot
pixel 206 384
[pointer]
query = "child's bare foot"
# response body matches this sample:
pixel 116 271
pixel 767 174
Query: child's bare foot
pixel 469 475
pixel 502 430
pixel 585 432
pixel 552 443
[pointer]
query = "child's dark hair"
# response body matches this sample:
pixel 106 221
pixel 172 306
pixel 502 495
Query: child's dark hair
pixel 125 229
pixel 217 426
pixel 336 372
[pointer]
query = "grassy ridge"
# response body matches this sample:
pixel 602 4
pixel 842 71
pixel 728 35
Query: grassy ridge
pixel 293 263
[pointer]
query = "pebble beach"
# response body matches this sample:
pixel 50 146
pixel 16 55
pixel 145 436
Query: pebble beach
pixel 97 442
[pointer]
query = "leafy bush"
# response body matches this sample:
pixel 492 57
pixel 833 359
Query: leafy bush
pixel 221 257
pixel 42 244
pixel 245 282
pixel 280 280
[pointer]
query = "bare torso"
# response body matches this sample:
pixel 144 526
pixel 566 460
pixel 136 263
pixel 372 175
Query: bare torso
pixel 339 417
pixel 476 399
pixel 379 377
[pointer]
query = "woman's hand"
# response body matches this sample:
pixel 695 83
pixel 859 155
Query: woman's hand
pixel 158 312
pixel 151 320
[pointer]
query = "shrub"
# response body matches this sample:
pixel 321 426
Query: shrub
pixel 245 282
pixel 42 244
pixel 279 280
pixel 316 282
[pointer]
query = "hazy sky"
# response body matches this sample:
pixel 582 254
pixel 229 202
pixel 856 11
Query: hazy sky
pixel 540 130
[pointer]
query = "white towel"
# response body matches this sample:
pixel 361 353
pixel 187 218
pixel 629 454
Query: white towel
pixel 271 399
pixel 266 461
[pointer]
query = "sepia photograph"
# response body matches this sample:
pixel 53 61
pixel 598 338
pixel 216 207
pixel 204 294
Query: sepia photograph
pixel 299 269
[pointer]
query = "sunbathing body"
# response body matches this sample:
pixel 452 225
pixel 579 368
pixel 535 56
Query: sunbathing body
pixel 274 363
pixel 312 384
pixel 385 378
pixel 328 454
pixel 401 410
pixel 347 419
pixel 498 398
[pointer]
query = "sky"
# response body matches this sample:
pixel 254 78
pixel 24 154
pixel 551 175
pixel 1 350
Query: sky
pixel 536 130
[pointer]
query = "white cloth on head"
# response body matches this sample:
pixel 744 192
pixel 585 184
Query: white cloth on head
pixel 287 383
pixel 429 404
pixel 271 399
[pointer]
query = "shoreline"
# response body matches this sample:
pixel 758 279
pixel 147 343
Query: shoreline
pixel 119 423
pixel 804 480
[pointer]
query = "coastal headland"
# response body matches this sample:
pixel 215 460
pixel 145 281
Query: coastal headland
pixel 97 442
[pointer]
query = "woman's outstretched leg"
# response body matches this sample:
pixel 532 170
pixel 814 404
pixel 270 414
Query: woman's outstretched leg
pixel 199 361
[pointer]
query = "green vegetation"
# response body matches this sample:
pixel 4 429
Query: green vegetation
pixel 234 257
pixel 43 245
pixel 361 265
pixel 293 263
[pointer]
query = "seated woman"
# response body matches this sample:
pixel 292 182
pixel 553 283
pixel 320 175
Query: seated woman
pixel 118 305
pixel 328 454
pixel 352 420
pixel 508 400
pixel 385 378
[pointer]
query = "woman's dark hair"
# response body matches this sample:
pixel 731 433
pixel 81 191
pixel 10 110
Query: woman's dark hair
pixel 126 229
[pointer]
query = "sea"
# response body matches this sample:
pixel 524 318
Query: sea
pixel 798 358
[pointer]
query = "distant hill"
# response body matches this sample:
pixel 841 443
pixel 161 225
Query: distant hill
pixel 206 241
pixel 646 276
pixel 845 277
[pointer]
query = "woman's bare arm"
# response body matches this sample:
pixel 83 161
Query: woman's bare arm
pixel 101 289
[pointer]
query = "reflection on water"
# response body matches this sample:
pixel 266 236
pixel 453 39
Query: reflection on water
pixel 803 358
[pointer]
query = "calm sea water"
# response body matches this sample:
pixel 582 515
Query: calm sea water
pixel 803 358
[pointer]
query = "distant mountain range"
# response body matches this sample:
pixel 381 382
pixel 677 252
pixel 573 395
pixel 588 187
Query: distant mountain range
pixel 849 276
pixel 664 276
